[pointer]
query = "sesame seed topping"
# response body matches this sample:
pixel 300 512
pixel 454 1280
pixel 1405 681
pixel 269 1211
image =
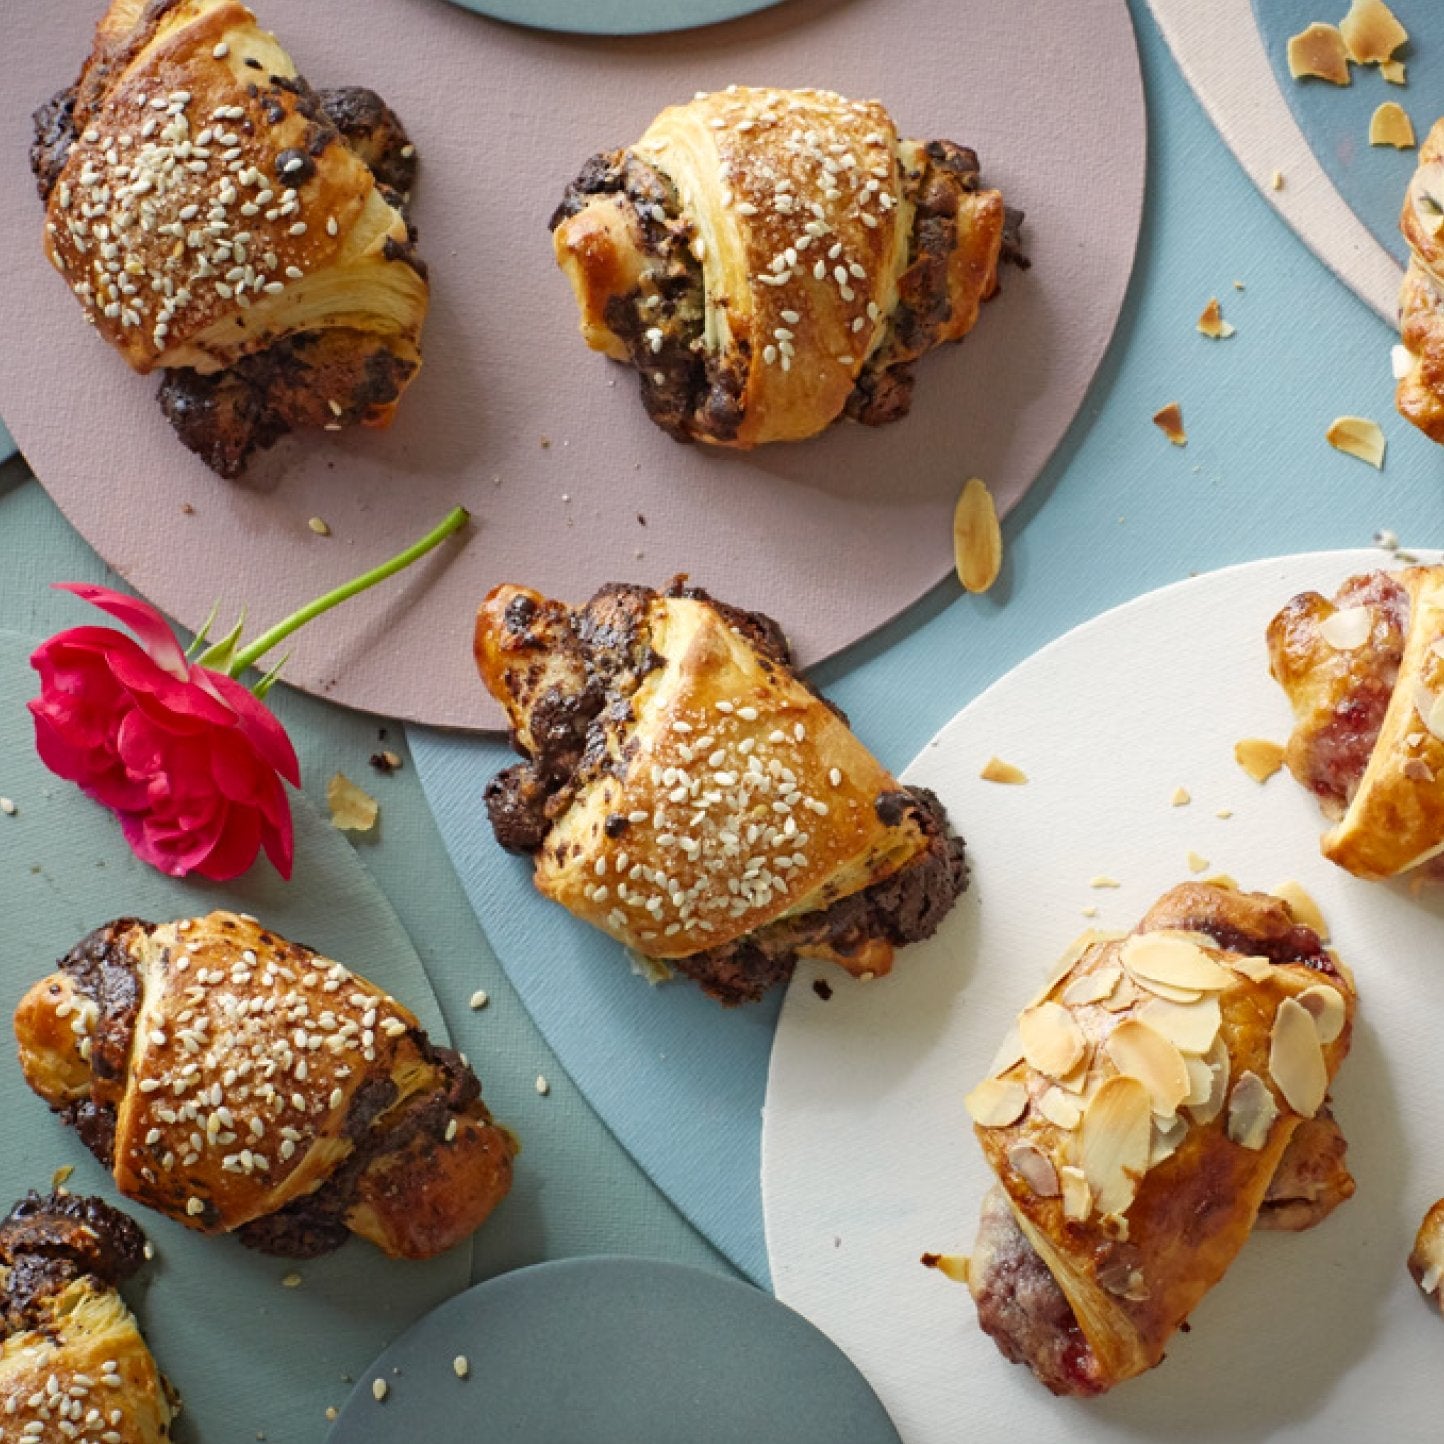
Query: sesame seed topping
pixel 221 50
pixel 461 1366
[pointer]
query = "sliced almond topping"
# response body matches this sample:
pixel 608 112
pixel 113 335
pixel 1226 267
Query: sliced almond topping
pixel 1435 720
pixel 1190 1027
pixel 1259 757
pixel 1211 322
pixel 996 1104
pixel 1255 969
pixel 1251 1112
pixel 951 1265
pixel 1052 1042
pixel 1225 880
pixel 996 770
pixel 1077 1196
pixel 1200 1082
pixel 1009 1054
pixel 1167 1136
pixel 1219 1066
pixel 1092 987
pixel 1296 1058
pixel 1319 51
pixel 1059 1109
pixel 1196 862
pixel 1114 1141
pixel 1140 1052
pixel 1123 997
pixel 1371 33
pixel 1347 630
pixel 1303 907
pixel 1393 71
pixel 1357 436
pixel 1172 961
pixel 1325 1006
pixel 1075 952
pixel 1181 797
pixel 1035 1168
pixel 1417 770
pixel 1390 125
pixel 1169 420
pixel 977 538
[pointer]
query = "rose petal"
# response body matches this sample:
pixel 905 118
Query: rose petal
pixel 176 852
pixel 153 630
pixel 279 841
pixel 179 704
pixel 236 846
pixel 258 722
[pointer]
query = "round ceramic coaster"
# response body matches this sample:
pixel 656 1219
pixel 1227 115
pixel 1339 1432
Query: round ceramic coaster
pixel 615 17
pixel 868 1153
pixel 258 1347
pixel 545 441
pixel 613 1351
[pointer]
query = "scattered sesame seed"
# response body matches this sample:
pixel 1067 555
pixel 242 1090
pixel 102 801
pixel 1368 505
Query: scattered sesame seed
pixel 7 806
pixel 461 1366
pixel 479 999
pixel 379 1389
pixel 319 526
pixel 542 1086
pixel 291 1281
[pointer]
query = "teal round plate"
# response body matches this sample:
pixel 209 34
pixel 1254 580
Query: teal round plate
pixel 613 1351
pixel 615 17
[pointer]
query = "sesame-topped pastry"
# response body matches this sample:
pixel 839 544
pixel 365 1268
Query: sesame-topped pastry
pixel 1163 1095
pixel 688 793
pixel 240 1083
pixel 73 1364
pixel 770 260
pixel 1420 391
pixel 221 222
pixel 1364 674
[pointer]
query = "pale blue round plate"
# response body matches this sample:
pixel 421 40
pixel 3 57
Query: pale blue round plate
pixel 615 17
pixel 614 1351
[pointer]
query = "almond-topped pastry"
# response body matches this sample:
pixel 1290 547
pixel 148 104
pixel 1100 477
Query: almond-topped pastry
pixel 770 260
pixel 1365 676
pixel 1426 1261
pixel 1420 391
pixel 1163 1095
pixel 73 1364
pixel 692 796
pixel 240 1083
pixel 221 222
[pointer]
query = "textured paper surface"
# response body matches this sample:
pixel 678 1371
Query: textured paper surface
pixel 868 1154
pixel 833 536
pixel 249 1356
pixel 615 17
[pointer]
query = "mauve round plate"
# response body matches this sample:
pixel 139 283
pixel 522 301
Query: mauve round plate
pixel 615 17
pixel 614 1351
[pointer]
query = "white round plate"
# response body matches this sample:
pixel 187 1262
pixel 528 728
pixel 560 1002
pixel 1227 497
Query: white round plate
pixel 868 1154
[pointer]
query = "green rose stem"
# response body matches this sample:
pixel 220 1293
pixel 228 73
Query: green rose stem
pixel 224 656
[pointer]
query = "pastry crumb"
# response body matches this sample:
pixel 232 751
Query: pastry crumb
pixel 951 1265
pixel 1371 33
pixel 1169 420
pixel 1358 436
pixel 1196 863
pixel 352 808
pixel 61 1177
pixel 1090 911
pixel 1211 322
pixel 1259 757
pixel 319 526
pixel 1393 72
pixel 977 537
pixel 385 762
pixel 1181 797
pixel 291 1281
pixel 1276 181
pixel 479 1000
pixel 1224 812
pixel 1390 125
pixel 996 770
pixel 1103 880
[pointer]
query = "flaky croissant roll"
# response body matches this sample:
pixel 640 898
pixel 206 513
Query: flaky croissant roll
pixel 219 220
pixel 1420 391
pixel 769 260
pixel 1365 676
pixel 73 1364
pixel 241 1083
pixel 689 794
pixel 1163 1095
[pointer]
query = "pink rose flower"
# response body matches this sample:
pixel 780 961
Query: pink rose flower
pixel 188 759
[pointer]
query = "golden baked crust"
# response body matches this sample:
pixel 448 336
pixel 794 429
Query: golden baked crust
pixel 251 1072
pixel 1366 729
pixel 1420 392
pixel 798 208
pixel 1137 1123
pixel 1426 1259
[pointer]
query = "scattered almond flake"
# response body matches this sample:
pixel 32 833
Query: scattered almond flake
pixel 1211 322
pixel 951 1265
pixel 977 537
pixel 1092 987
pixel 1218 1064
pixel 1103 880
pixel 1059 1109
pixel 1174 962
pixel 1090 911
pixel 1303 907
pixel 1401 363
pixel 1393 71
pixel 332 1412
pixel 1371 33
pixel 7 806
pixel 995 770
pixel 1390 125
pixel 1052 1041
pixel 1077 1196
pixel 352 808
pixel 1224 813
pixel 1238 285
pixel 461 1366
pixel 1319 52
pixel 291 1281
pixel 1255 969
pixel 379 1389
pixel 1035 1168
pixel 1251 1112
pixel 1259 757
pixel 1190 1027
pixel 318 525
pixel 1296 1058
pixel 1276 181
pixel 61 1177
pixel 542 1086
pixel 1197 863
pixel 1359 437
pixel 1113 1141
pixel 1169 420
pixel 1139 1051
pixel 1325 1005
pixel 996 1104
pixel 1181 797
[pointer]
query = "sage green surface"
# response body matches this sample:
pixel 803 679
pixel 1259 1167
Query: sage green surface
pixel 221 1322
